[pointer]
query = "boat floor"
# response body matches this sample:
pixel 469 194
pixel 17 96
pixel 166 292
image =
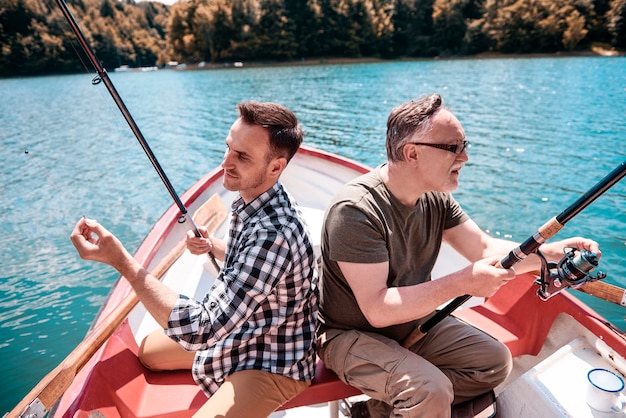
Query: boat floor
pixel 550 384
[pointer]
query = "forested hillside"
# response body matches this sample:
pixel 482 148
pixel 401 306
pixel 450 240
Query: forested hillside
pixel 35 39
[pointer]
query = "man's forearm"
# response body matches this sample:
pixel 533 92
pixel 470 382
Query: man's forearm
pixel 158 299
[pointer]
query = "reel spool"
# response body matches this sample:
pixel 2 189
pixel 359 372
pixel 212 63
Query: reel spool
pixel 571 272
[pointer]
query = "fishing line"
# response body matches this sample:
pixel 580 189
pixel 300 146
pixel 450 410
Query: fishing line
pixel 63 27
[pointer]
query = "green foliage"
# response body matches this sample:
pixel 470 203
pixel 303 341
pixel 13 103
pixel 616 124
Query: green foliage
pixel 449 25
pixel 527 26
pixel 36 39
pixel 413 28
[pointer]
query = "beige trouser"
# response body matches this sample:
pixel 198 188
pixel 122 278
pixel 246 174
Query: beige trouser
pixel 453 363
pixel 246 393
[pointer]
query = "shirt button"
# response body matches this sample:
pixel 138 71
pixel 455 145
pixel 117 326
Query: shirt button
pixel 212 305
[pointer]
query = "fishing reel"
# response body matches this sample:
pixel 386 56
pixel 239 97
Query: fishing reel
pixel 572 271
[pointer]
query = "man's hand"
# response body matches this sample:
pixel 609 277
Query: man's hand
pixel 486 277
pixel 553 251
pixel 96 243
pixel 199 245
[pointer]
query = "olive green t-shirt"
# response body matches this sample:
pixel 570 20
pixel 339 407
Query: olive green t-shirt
pixel 365 223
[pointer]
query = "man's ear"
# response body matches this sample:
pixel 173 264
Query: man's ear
pixel 410 153
pixel 277 165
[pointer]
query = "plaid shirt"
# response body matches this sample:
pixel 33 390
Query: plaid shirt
pixel 261 312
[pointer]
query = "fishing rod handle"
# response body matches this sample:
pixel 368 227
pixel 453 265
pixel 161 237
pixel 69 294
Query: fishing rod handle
pixel 554 225
pixel 544 233
pixel 196 232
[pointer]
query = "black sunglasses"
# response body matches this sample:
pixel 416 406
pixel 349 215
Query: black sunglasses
pixel 453 148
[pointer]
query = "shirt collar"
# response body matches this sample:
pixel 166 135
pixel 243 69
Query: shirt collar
pixel 245 211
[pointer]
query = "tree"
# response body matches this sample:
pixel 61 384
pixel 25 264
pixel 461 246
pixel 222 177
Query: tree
pixel 413 28
pixel 331 34
pixel 302 17
pixel 224 34
pixel 381 15
pixel 31 39
pixel 360 32
pixel 617 23
pixel 36 39
pixel 575 31
pixel 275 33
pixel 449 26
pixel 177 29
pixel 202 27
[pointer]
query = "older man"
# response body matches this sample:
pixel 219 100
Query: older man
pixel 381 236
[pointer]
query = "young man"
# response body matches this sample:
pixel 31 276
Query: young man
pixel 381 236
pixel 252 336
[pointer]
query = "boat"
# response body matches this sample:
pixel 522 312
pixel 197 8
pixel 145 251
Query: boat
pixel 554 342
pixel 126 68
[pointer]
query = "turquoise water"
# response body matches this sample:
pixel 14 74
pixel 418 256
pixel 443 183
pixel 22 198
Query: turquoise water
pixel 543 131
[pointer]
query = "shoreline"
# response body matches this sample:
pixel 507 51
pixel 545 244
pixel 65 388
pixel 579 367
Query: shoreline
pixel 593 52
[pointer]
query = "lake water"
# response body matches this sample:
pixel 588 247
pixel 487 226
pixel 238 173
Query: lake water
pixel 543 130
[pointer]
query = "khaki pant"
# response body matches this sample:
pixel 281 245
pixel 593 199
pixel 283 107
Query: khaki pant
pixel 453 363
pixel 246 393
pixel 251 394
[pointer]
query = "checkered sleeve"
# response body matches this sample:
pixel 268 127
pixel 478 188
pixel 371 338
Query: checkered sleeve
pixel 236 305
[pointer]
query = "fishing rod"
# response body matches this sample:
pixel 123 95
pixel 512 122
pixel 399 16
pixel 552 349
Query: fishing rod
pixel 571 271
pixel 104 77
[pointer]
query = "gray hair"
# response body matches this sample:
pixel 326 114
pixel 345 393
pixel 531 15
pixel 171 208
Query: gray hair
pixel 407 119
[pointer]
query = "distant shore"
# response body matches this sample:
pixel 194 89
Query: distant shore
pixel 596 51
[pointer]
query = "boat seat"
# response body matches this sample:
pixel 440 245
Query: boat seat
pixel 512 316
pixel 325 388
pixel 126 385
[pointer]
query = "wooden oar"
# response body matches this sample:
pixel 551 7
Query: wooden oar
pixel 211 214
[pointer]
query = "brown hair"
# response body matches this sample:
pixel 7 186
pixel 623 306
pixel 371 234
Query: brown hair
pixel 407 119
pixel 285 132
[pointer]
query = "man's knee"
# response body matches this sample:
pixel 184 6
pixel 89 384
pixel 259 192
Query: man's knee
pixel 439 390
pixel 158 352
pixel 147 356
pixel 432 390
pixel 503 364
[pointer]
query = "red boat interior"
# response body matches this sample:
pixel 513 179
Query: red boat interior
pixel 119 386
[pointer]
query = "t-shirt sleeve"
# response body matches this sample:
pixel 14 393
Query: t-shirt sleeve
pixel 354 236
pixel 455 213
